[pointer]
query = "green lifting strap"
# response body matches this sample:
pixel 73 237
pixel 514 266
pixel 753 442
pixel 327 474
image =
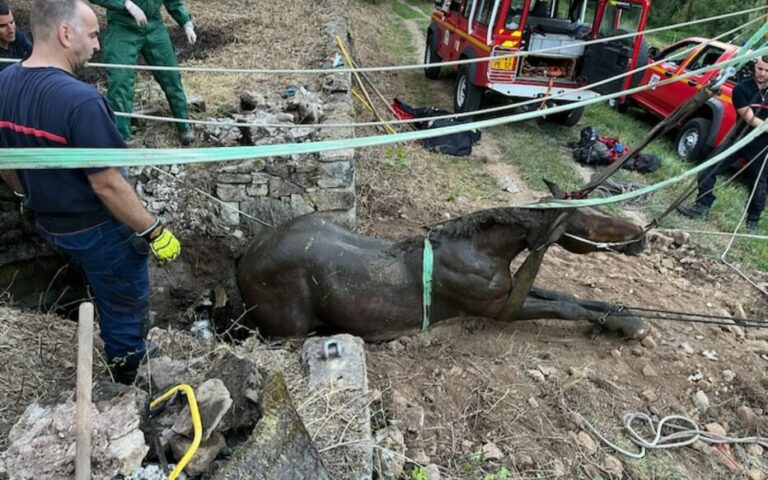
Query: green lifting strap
pixel 426 279
pixel 756 41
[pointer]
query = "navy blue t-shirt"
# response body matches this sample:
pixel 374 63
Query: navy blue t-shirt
pixel 746 93
pixel 48 107
pixel 19 48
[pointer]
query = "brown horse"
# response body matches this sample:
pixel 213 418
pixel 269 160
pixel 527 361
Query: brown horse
pixel 311 275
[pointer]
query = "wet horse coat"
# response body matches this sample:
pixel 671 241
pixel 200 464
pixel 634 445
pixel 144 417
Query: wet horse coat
pixel 311 275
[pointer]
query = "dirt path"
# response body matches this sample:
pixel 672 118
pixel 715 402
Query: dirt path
pixel 487 151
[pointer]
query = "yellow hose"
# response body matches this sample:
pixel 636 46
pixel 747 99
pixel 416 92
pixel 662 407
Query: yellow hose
pixel 196 424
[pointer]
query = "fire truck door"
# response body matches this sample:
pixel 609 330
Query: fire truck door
pixel 614 57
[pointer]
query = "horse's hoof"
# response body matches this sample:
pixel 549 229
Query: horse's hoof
pixel 632 328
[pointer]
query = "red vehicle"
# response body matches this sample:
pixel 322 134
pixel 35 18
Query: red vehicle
pixel 706 128
pixel 464 29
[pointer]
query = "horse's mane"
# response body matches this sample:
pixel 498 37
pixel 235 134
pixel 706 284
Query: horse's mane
pixel 468 225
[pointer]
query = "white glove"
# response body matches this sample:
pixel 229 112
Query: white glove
pixel 136 12
pixel 189 29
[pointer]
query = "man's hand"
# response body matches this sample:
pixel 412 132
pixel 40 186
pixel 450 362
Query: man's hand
pixel 189 29
pixel 164 245
pixel 136 12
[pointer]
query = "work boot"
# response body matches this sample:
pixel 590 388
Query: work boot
pixel 187 137
pixel 697 210
pixel 752 227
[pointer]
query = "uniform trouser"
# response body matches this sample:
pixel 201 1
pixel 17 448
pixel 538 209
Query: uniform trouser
pixel 708 178
pixel 122 45
pixel 114 260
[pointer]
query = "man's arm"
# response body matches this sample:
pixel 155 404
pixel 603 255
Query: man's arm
pixel 117 195
pixel 178 11
pixel 12 180
pixel 749 116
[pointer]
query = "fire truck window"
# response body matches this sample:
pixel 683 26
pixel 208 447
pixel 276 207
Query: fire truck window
pixel 540 9
pixel 620 18
pixel 706 58
pixel 484 11
pixel 675 54
pixel 514 14
pixel 468 8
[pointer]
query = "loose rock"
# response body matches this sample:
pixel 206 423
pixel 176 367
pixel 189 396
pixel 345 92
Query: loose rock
pixel 433 472
pixel 613 466
pixel 389 458
pixel 701 401
pixel 492 452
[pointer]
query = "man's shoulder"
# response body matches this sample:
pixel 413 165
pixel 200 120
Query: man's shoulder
pixel 70 85
pixel 743 93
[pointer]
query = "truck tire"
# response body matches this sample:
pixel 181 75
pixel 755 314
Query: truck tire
pixel 431 58
pixel 568 118
pixel 691 141
pixel 467 97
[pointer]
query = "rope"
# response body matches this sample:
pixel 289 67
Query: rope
pixel 465 114
pixel 715 233
pixel 411 66
pixel 684 432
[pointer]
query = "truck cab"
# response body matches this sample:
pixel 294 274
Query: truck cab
pixel 559 29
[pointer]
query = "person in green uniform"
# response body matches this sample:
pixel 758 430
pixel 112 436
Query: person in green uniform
pixel 134 28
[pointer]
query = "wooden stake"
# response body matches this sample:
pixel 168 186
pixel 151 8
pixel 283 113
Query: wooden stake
pixel 84 383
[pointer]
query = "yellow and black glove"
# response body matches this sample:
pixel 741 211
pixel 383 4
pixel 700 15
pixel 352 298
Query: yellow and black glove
pixel 165 246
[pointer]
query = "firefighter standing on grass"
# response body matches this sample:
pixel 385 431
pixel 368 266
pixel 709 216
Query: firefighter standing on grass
pixel 138 28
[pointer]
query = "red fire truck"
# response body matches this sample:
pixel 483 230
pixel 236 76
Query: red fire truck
pixel 464 29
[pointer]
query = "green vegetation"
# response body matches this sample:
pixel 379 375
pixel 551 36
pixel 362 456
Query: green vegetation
pixel 398 158
pixel 677 11
pixel 406 12
pixel 419 473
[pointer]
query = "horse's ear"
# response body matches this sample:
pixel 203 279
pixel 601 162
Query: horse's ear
pixel 556 191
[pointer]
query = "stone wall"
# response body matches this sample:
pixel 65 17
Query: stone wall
pixel 265 192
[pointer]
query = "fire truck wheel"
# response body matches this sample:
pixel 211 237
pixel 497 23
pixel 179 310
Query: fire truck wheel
pixel 567 118
pixel 431 58
pixel 691 141
pixel 467 96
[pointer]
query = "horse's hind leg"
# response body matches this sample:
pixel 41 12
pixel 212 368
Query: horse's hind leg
pixel 565 307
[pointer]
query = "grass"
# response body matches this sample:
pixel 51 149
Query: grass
pixel 406 12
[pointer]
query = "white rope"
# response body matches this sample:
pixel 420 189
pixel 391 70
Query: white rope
pixel 411 66
pixel 464 114
pixel 724 256
pixel 713 232
pixel 685 432
pixel 601 245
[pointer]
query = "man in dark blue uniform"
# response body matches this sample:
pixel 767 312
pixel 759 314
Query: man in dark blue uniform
pixel 92 215
pixel 13 43
pixel 750 99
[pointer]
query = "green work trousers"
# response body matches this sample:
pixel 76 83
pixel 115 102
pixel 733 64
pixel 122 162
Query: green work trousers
pixel 122 44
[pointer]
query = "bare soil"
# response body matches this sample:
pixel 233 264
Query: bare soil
pixel 518 386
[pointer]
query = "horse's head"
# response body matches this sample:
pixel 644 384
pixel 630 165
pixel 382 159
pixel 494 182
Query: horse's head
pixel 589 230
